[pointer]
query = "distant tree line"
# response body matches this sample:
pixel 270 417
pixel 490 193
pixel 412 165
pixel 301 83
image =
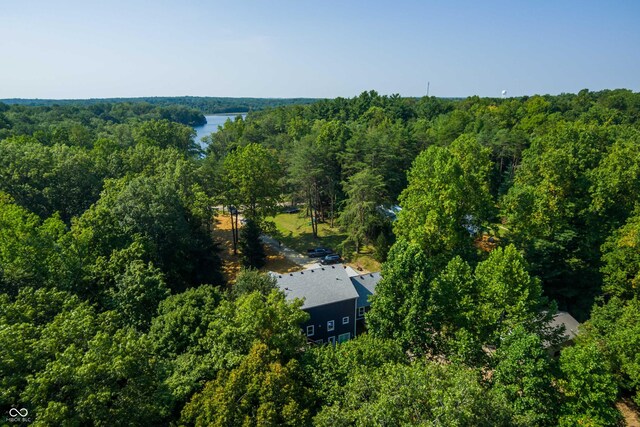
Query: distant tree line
pixel 204 104
pixel 86 121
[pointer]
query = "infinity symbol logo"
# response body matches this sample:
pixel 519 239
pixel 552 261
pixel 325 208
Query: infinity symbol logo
pixel 13 412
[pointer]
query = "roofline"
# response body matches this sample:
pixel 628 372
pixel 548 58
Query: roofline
pixel 325 267
pixel 328 303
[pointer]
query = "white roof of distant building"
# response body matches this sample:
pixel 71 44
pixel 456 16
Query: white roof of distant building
pixel 317 286
pixel 570 324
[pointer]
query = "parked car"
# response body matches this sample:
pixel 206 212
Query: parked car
pixel 318 252
pixel 331 259
pixel 292 210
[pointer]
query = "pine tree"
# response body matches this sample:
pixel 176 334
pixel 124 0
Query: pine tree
pixel 253 255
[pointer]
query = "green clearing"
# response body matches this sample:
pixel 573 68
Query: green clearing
pixel 294 231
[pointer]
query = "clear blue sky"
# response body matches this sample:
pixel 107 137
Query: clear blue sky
pixel 297 48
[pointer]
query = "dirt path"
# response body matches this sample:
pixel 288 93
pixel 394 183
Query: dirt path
pixel 280 258
pixel 629 412
pixel 290 254
pixel 301 260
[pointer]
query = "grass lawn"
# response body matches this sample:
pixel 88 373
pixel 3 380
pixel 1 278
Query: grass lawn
pixel 365 260
pixel 294 230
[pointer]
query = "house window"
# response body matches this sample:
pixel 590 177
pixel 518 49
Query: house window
pixel 331 340
pixel 345 320
pixel 360 311
pixel 309 330
pixel 344 337
pixel 330 325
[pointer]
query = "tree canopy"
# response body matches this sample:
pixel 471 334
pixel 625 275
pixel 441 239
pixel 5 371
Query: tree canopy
pixel 488 214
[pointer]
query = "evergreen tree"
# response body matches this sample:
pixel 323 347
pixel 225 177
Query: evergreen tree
pixel 252 250
pixel 249 280
pixel 365 192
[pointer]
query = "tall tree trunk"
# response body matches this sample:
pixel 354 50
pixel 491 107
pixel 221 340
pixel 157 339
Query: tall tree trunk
pixel 313 210
pixel 237 231
pixel 333 204
pixel 314 222
pixel 233 234
pixel 514 165
pixel 320 208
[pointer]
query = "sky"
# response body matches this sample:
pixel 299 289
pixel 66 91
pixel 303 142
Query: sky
pixel 319 49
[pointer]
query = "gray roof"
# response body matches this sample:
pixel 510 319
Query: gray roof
pixel 365 285
pixel 317 286
pixel 570 324
pixel 351 272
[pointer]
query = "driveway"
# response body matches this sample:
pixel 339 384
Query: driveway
pixel 291 254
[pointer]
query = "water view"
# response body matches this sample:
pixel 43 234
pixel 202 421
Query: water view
pixel 213 121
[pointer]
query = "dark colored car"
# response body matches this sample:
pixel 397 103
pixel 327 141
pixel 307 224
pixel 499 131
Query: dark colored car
pixel 291 210
pixel 331 259
pixel 318 252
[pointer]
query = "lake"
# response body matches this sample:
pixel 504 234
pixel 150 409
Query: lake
pixel 213 121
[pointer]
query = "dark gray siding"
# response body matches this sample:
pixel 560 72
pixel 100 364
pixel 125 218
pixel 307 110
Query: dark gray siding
pixel 320 315
pixel 361 325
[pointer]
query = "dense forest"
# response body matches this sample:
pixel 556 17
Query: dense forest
pixel 113 298
pixel 205 104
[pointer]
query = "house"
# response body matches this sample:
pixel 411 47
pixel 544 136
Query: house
pixel 335 296
pixel 570 331
pixel 562 318
pixel 365 285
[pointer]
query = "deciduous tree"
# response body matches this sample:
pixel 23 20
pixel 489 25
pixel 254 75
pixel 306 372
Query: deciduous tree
pixel 621 258
pixel 589 387
pixel 523 376
pixel 418 394
pixel 262 390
